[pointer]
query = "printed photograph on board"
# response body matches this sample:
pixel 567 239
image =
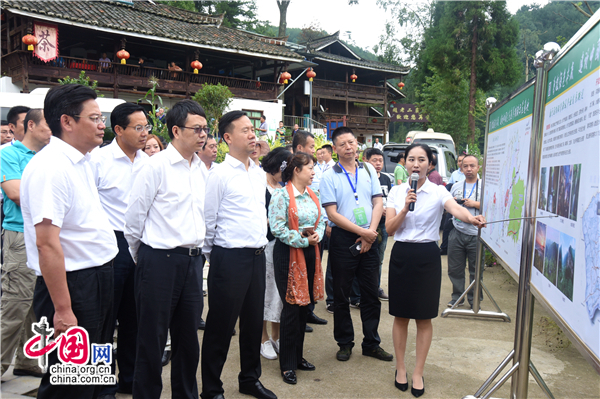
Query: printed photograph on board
pixel 543 188
pixel 540 246
pixel 564 191
pixel 553 173
pixel 575 191
pixel 551 254
pixel 566 265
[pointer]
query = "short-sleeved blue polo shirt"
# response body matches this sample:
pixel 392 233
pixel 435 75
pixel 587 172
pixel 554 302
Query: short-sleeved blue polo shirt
pixel 12 164
pixel 336 190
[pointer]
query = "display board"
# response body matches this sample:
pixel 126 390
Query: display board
pixel 505 176
pixel 566 262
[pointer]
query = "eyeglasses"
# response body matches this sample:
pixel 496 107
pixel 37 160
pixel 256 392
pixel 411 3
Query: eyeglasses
pixel 197 130
pixel 141 128
pixel 94 118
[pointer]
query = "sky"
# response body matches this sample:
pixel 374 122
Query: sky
pixel 365 22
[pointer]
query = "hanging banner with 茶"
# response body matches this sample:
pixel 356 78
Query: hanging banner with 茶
pixel 47 41
pixel 406 113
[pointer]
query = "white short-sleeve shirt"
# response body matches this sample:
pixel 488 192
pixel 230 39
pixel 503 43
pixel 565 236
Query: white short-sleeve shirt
pixel 422 224
pixel 58 185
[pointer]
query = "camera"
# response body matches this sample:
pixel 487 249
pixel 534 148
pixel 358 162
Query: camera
pixel 460 201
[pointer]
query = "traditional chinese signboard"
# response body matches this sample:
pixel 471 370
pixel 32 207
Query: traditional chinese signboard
pixel 406 113
pixel 47 36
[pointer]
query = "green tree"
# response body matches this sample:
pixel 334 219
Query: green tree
pixel 214 99
pixel 238 14
pixel 151 98
pixel 82 79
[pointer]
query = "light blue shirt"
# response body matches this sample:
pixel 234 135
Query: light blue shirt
pixel 456 176
pixel 13 162
pixel 336 190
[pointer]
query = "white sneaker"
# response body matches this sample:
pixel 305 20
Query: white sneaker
pixel 267 351
pixel 274 344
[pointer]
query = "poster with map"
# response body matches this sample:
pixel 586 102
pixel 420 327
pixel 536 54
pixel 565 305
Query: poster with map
pixel 505 177
pixel 566 264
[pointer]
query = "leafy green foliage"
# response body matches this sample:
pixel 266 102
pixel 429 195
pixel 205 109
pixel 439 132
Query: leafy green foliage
pixel 214 99
pixel 238 14
pixel 82 79
pixel 151 98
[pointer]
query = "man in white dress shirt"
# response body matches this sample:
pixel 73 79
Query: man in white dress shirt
pixel 115 168
pixel 69 241
pixel 236 236
pixel 164 226
pixel 377 144
pixel 209 152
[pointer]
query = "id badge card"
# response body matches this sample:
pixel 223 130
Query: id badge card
pixel 360 216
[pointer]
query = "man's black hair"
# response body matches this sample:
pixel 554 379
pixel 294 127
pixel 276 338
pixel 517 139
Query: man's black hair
pixel 65 100
pixel 339 131
pixel 263 117
pixel 208 137
pixel 425 147
pixel 3 122
pixel 35 115
pixel 120 115
pixel 369 152
pixel 271 163
pixel 328 148
pixel 433 159
pixel 227 119
pixel 177 116
pixel 14 112
pixel 300 139
pixel 465 156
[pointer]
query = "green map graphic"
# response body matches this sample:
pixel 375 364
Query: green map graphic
pixel 516 208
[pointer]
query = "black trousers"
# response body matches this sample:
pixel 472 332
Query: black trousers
pixel 236 288
pixel 293 317
pixel 168 294
pixel 448 227
pixel 91 293
pixel 124 311
pixel 344 268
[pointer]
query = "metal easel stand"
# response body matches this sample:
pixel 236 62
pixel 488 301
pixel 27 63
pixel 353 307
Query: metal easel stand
pixel 521 353
pixel 476 285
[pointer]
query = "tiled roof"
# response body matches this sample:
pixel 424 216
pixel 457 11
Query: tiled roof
pixel 151 19
pixel 380 66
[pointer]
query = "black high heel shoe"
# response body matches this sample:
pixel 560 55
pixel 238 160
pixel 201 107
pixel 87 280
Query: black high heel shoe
pixel 402 387
pixel 418 392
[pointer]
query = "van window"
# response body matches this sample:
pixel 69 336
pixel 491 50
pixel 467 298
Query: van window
pixel 451 165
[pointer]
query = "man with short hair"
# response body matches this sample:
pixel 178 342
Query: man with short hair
pixel 165 229
pixel 6 135
pixel 236 236
pixel 15 118
pixel 462 242
pixel 303 141
pixel 264 127
pixel 458 174
pixel 296 129
pixel 209 152
pixel 375 157
pixel 280 133
pixel 377 144
pixel 18 281
pixel 351 195
pixel 400 172
pixel 433 174
pixel 115 168
pixel 69 241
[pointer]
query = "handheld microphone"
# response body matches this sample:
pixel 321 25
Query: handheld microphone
pixel 414 179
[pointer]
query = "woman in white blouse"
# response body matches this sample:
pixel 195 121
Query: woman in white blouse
pixel 415 264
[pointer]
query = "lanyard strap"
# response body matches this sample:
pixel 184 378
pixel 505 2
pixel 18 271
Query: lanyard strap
pixel 472 188
pixel 355 185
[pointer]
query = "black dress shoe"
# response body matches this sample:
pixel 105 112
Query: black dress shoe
pixel 418 392
pixel 202 324
pixel 402 387
pixel 289 377
pixel 305 365
pixel 166 357
pixel 219 396
pixel 308 328
pixel 314 319
pixel 257 390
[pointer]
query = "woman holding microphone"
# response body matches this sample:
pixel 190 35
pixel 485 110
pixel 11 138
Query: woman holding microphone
pixel 415 264
pixel 297 223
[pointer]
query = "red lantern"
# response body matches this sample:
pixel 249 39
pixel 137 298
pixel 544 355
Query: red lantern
pixel 286 76
pixel 123 55
pixel 401 85
pixel 197 65
pixel 311 74
pixel 30 41
pixel 353 77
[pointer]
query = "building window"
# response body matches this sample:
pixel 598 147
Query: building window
pixel 254 117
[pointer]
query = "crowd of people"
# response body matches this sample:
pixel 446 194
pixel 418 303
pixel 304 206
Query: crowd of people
pixel 119 235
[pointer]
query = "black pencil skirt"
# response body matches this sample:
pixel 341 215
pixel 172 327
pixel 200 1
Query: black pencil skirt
pixel 415 279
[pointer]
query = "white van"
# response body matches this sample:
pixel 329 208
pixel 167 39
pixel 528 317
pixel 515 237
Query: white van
pixel 431 138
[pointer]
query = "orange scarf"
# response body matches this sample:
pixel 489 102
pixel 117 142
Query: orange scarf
pixel 297 287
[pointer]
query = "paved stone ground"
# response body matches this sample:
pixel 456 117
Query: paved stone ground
pixel 463 354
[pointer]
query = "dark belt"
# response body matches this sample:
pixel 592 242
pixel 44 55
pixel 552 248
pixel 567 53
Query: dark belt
pixel 259 251
pixel 197 251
